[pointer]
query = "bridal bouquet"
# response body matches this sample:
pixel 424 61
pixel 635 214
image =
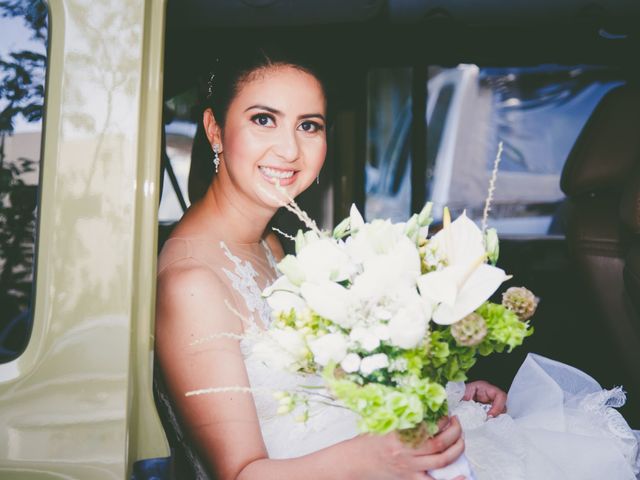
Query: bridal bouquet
pixel 387 316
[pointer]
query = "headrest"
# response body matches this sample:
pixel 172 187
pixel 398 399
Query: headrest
pixel 608 146
pixel 630 201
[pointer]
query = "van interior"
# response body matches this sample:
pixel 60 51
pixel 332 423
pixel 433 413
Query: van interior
pixel 400 130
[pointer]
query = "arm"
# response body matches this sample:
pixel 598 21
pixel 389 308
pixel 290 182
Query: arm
pixel 225 427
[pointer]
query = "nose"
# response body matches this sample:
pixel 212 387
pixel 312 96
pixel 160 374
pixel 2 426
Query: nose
pixel 286 146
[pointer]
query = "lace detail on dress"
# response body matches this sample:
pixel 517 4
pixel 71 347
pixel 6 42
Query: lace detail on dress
pixel 601 405
pixel 243 280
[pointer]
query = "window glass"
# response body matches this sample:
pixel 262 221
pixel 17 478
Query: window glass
pixel 180 130
pixel 388 162
pixel 537 112
pixel 23 47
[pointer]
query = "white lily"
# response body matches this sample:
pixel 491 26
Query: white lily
pixel 384 273
pixel 329 300
pixel 325 259
pixel 283 296
pixel 317 260
pixel 467 281
pixel 376 238
pixel 356 218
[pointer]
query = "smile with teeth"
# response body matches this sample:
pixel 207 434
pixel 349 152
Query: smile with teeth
pixel 279 174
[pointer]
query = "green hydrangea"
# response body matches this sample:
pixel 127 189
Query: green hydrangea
pixel 505 330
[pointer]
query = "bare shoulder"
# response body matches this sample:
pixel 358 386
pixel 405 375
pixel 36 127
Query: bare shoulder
pixel 275 246
pixel 191 298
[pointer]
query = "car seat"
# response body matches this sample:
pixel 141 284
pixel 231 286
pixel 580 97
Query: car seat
pixel 603 221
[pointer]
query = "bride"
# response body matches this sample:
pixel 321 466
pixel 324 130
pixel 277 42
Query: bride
pixel 266 123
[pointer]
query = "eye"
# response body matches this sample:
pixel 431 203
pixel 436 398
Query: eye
pixel 263 119
pixel 311 127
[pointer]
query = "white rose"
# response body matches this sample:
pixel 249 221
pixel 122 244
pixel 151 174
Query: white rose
pixel 350 363
pixel 373 363
pixel 409 326
pixel 382 332
pixel 329 348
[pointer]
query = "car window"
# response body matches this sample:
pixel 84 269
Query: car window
pixel 537 113
pixel 23 47
pixel 388 161
pixel 180 130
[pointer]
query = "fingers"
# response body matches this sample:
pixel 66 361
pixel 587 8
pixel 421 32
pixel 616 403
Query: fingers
pixel 484 392
pixel 443 423
pixel 499 404
pixel 442 440
pixel 470 391
pixel 429 477
pixel 439 460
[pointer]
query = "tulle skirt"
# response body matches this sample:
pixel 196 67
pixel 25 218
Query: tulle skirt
pixel 560 424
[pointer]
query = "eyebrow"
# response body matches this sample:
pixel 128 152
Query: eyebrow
pixel 278 112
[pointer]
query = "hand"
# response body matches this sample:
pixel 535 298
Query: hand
pixel 386 457
pixel 484 392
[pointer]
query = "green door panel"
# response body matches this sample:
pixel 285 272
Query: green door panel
pixel 77 404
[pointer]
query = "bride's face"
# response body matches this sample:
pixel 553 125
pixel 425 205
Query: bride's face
pixel 275 131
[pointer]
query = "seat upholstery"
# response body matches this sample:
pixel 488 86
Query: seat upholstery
pixel 603 220
pixel 630 215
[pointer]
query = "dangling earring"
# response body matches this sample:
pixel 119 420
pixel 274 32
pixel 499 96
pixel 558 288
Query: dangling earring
pixel 216 156
pixel 318 180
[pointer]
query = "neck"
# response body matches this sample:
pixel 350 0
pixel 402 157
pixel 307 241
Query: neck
pixel 241 220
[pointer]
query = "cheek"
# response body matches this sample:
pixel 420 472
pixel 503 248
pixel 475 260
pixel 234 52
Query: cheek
pixel 315 155
pixel 240 149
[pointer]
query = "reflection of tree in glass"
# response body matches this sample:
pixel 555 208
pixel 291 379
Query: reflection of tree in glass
pixel 21 94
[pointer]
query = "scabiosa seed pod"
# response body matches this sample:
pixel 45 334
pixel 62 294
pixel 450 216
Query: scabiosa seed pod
pixel 520 301
pixel 469 331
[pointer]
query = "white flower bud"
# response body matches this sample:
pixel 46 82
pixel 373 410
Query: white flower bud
pixel 492 245
pixel 342 228
pixel 351 363
pixel 424 217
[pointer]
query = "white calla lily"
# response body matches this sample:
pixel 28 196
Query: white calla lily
pixel 461 241
pixel 467 282
pixel 476 290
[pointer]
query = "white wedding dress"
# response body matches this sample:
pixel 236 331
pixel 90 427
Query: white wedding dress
pixel 561 425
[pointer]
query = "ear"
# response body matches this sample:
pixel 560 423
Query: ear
pixel 212 128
